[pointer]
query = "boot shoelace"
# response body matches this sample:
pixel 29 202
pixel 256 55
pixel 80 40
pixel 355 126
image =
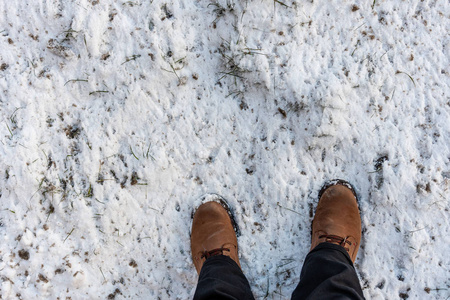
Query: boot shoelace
pixel 214 252
pixel 337 239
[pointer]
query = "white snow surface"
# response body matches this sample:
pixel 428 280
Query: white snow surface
pixel 118 116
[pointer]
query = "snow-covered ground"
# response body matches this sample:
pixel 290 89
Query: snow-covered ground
pixel 117 116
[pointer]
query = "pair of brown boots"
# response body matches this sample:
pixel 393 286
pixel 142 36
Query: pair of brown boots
pixel 337 220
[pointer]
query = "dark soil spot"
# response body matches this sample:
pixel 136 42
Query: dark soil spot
pixel 43 278
pixel 296 107
pixel 124 182
pixel 243 105
pixel 133 263
pixel 134 178
pixel 113 295
pixel 105 56
pixel 198 180
pixel 282 112
pixel 355 8
pixel 381 285
pixel 72 131
pixel 379 162
pixel 34 37
pixel 112 15
pixel 24 254
pixel 167 12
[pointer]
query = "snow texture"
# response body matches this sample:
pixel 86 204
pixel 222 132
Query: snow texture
pixel 118 116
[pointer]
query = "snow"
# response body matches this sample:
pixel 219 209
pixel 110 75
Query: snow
pixel 118 116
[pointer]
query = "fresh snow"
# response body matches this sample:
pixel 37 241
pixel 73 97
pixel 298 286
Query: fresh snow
pixel 118 116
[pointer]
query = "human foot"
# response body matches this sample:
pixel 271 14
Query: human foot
pixel 213 234
pixel 337 219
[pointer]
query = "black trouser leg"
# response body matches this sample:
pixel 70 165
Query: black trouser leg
pixel 328 273
pixel 221 278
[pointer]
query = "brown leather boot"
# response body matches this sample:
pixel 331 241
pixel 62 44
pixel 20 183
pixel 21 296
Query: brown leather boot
pixel 337 218
pixel 212 234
